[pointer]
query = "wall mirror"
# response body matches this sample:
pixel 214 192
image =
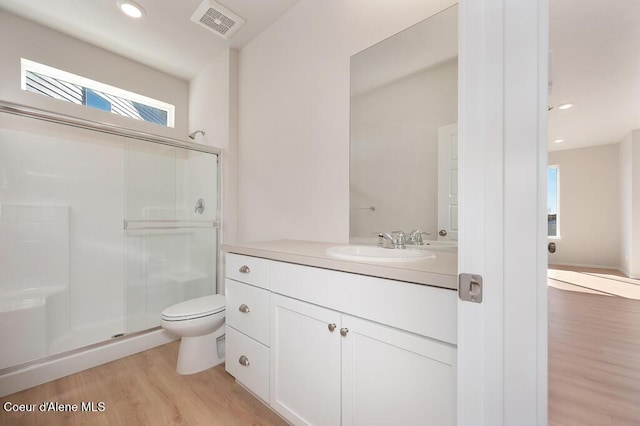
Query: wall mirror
pixel 404 102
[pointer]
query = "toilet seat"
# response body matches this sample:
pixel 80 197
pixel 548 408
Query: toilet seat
pixel 194 308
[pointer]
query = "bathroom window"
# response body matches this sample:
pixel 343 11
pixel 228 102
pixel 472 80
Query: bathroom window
pixel 552 201
pixel 58 84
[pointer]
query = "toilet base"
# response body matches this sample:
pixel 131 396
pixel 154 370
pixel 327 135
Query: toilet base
pixel 199 353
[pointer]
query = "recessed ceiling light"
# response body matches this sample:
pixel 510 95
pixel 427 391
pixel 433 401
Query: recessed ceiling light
pixel 558 141
pixel 130 8
pixel 565 106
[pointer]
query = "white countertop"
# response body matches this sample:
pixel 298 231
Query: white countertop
pixel 439 271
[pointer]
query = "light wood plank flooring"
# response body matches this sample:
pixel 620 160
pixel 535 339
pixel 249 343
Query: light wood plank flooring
pixel 144 389
pixel 594 358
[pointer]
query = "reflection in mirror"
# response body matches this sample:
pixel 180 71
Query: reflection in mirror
pixel 404 93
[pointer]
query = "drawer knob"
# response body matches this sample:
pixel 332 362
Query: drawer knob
pixel 244 361
pixel 344 331
pixel 244 269
pixel 332 327
pixel 244 309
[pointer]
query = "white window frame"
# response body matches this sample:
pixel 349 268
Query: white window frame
pixel 28 65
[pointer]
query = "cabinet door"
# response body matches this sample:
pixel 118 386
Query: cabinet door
pixel 305 362
pixel 393 377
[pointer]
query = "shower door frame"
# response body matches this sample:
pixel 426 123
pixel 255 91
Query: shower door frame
pixel 53 117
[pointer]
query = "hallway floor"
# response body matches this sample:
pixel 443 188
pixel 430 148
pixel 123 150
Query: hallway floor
pixel 594 357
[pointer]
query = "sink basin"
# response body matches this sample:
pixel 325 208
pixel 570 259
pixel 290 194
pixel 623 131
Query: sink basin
pixel 369 253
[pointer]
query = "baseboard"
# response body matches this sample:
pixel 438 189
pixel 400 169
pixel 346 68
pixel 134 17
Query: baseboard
pixel 55 367
pixel 585 265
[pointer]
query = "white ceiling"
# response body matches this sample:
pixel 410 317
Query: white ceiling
pixel 165 39
pixel 595 64
pixel 595 48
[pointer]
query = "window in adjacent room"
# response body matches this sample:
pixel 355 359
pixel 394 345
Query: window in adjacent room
pixel 552 201
pixel 58 84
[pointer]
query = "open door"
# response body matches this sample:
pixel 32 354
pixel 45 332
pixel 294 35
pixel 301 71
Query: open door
pixel 448 183
pixel 502 341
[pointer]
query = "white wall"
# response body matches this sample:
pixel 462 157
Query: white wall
pixel 213 107
pixel 634 264
pixel 630 204
pixel 394 151
pixel 589 206
pixel 626 217
pixel 20 38
pixel 294 110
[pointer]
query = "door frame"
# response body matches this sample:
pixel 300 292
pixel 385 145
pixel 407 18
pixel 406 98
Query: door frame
pixel 502 342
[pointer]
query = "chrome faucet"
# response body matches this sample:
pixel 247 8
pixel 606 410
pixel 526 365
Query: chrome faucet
pixel 385 240
pixel 396 240
pixel 415 237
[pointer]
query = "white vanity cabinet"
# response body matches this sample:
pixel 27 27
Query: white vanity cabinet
pixel 391 377
pixel 329 368
pixel 356 350
pixel 247 312
pixel 305 362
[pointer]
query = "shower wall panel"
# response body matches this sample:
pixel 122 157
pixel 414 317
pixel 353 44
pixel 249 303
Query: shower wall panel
pixel 41 167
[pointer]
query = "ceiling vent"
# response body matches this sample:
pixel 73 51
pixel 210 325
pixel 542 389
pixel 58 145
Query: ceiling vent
pixel 217 18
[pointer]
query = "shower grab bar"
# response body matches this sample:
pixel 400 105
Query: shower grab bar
pixel 41 114
pixel 140 225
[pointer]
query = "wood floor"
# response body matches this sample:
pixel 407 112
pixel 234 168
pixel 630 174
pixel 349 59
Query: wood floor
pixel 594 378
pixel 144 389
pixel 594 358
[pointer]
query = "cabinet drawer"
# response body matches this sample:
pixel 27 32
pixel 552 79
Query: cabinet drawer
pixel 251 270
pixel 247 310
pixel 255 374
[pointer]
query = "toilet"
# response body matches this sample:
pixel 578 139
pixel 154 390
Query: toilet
pixel 200 324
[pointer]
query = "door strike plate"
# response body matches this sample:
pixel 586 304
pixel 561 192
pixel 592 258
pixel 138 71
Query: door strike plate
pixel 470 287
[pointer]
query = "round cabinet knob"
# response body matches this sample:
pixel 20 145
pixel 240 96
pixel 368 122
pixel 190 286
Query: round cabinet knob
pixel 244 269
pixel 442 232
pixel 244 361
pixel 332 327
pixel 344 331
pixel 244 309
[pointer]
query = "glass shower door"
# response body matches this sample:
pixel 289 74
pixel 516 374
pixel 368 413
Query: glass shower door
pixel 171 221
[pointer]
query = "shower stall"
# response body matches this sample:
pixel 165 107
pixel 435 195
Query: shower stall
pixel 101 228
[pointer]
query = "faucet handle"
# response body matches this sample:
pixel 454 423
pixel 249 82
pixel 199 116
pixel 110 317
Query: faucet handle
pixel 399 240
pixel 416 236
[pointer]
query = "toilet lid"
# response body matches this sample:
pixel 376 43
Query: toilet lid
pixel 195 308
